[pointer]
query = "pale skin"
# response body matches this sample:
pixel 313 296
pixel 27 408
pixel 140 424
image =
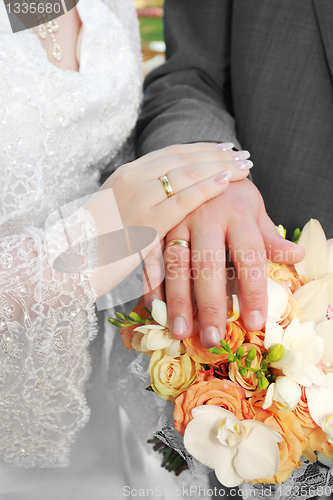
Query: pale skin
pixel 134 195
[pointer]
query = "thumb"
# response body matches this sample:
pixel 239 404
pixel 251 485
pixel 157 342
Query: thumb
pixel 278 249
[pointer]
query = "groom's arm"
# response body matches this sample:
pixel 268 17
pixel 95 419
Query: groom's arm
pixel 188 99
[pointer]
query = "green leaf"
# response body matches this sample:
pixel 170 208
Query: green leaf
pixel 296 235
pixel 147 310
pixel 150 389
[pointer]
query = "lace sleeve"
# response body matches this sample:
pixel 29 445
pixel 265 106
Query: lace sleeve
pixel 47 319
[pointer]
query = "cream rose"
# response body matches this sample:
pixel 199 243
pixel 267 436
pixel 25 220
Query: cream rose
pixel 169 375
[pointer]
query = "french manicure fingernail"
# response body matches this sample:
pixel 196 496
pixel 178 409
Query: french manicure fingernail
pixel 244 164
pixel 153 297
pixel 224 146
pixel 211 337
pixel 241 155
pixel 254 321
pixel 179 326
pixel 224 177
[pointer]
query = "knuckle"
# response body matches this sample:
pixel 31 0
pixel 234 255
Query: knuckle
pixel 192 172
pixel 172 150
pixel 202 189
pixel 176 269
pixel 187 158
pixel 177 303
pixel 208 268
pixel 181 201
pixel 255 299
pixel 205 147
pixel 211 311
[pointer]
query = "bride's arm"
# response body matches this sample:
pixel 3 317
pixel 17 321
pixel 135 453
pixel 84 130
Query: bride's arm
pixel 47 317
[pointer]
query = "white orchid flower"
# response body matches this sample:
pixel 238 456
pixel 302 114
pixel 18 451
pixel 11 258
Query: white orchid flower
pixel 314 298
pixel 325 330
pixel 236 450
pixel 285 392
pixel 329 278
pixel 320 403
pixel 315 263
pixel 303 350
pixel 157 336
pixel 277 300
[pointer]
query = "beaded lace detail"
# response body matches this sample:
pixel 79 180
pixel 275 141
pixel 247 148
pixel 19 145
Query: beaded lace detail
pixel 58 131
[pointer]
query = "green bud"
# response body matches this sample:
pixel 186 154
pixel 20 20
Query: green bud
pixel 276 353
pixel 251 354
pixel 262 382
pixel 215 350
pixel 135 317
pixel 243 371
pixel 232 358
pixel 264 364
pixel 124 317
pixel 240 352
pixel 115 322
pixel 248 363
pixel 225 346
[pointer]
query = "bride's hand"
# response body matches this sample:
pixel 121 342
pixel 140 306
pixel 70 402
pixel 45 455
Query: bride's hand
pixel 196 173
pixel 134 195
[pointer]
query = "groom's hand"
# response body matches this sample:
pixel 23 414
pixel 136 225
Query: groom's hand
pixel 239 219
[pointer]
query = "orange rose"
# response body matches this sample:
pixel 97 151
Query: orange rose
pixel 128 333
pixel 285 276
pixel 318 442
pixel 250 382
pixel 302 412
pixel 293 311
pixel 216 392
pixel 294 440
pixel 234 335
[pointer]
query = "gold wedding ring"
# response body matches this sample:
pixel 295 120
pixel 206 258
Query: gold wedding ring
pixel 183 243
pixel 167 186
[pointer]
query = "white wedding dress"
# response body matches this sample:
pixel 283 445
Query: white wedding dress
pixel 59 131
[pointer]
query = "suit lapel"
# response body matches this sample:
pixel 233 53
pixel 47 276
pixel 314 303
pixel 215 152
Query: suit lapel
pixel 324 12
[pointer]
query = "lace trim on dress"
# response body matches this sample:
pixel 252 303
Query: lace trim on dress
pixel 47 319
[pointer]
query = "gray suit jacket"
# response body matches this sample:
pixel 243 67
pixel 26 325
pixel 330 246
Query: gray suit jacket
pixel 258 73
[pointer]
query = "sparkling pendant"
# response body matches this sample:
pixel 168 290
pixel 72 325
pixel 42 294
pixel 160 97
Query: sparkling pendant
pixel 55 26
pixel 42 31
pixel 52 27
pixel 57 52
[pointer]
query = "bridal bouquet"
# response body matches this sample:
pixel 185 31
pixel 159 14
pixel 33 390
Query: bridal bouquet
pixel 251 408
